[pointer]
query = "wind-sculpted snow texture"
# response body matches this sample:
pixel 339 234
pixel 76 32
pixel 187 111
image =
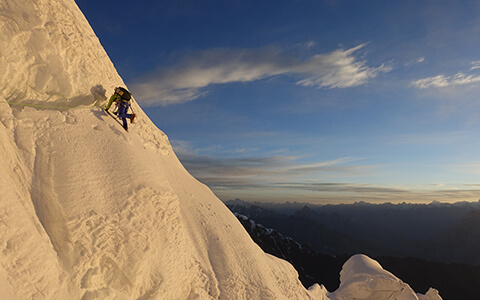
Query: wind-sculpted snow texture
pixel 50 54
pixel 89 211
pixel 364 278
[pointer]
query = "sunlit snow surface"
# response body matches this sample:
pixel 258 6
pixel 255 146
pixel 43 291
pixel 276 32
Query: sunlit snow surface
pixel 364 278
pixel 89 211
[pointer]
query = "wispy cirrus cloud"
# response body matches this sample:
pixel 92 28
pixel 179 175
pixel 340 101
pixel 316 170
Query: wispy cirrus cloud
pixel 187 79
pixel 443 81
pixel 286 178
pixel 279 172
pixel 475 65
pixel 414 62
pixel 276 166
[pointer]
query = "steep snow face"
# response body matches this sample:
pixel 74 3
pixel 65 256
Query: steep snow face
pixel 91 212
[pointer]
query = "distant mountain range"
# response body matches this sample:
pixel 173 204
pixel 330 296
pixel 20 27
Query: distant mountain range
pixel 454 281
pixel 448 233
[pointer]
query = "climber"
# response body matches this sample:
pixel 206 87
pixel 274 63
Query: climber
pixel 122 98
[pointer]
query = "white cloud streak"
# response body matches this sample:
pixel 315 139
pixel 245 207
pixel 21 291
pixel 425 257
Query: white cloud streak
pixel 415 62
pixel 475 65
pixel 187 80
pixel 443 81
pixel 232 172
pixel 285 178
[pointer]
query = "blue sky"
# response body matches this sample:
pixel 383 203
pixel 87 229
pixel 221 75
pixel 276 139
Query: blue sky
pixel 322 101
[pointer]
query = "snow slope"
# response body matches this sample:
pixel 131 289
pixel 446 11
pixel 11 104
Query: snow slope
pixel 89 211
